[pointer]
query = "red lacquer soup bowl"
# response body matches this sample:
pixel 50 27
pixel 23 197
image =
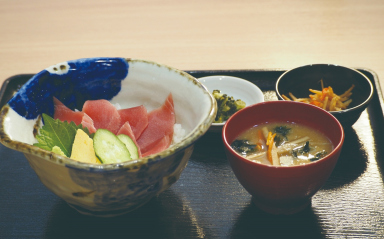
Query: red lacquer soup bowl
pixel 282 189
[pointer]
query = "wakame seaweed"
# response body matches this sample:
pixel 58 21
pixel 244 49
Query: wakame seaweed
pixel 301 150
pixel 281 134
pixel 282 130
pixel 318 156
pixel 243 147
pixel 278 140
pixel 305 149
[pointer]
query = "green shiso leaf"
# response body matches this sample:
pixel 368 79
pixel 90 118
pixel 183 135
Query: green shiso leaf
pixel 58 133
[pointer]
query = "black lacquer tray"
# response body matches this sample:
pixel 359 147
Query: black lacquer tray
pixel 208 201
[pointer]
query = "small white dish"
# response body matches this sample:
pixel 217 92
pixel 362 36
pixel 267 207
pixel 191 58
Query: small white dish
pixel 236 87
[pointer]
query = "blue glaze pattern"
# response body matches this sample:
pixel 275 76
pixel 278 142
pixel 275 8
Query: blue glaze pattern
pixel 85 79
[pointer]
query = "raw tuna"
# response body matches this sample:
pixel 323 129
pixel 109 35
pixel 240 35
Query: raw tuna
pixel 64 113
pixel 159 146
pixel 88 123
pixel 137 118
pixel 127 130
pixel 160 125
pixel 103 114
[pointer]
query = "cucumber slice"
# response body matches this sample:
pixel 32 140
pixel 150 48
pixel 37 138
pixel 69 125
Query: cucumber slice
pixel 131 146
pixel 108 148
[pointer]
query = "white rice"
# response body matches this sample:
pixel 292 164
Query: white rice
pixel 117 105
pixel 178 133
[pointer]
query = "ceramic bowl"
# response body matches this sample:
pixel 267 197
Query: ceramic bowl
pixel 300 80
pixel 236 87
pixel 282 189
pixel 110 189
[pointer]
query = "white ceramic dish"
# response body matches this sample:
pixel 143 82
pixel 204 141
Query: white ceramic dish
pixel 236 87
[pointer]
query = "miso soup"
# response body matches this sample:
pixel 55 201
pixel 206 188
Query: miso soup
pixel 284 144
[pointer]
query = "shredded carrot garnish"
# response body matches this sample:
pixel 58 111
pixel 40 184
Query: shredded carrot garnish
pixel 269 143
pixel 259 144
pixel 324 93
pixel 315 102
pixel 326 98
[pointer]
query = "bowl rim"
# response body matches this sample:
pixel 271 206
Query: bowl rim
pixel 336 148
pixel 257 88
pixel 361 105
pixel 188 140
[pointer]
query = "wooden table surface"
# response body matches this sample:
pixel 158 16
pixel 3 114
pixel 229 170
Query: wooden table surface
pixel 193 35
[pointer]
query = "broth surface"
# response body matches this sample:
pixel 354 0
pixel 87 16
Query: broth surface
pixel 295 144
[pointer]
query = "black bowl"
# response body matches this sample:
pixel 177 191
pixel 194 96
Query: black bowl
pixel 300 80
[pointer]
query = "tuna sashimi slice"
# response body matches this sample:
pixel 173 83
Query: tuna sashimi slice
pixel 160 125
pixel 137 118
pixel 64 113
pixel 127 130
pixel 159 146
pixel 88 123
pixel 103 113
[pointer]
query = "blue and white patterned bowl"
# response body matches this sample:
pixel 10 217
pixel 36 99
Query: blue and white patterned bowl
pixel 110 189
